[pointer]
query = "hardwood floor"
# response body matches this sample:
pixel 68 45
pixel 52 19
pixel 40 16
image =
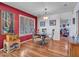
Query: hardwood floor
pixel 33 49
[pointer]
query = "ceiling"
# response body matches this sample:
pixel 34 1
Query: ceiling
pixel 38 8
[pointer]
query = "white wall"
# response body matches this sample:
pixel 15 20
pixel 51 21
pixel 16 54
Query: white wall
pixel 57 17
pixel 49 28
pixel 67 15
pixel 74 30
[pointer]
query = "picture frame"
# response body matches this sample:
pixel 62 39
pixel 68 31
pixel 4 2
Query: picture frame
pixel 42 23
pixel 52 22
pixel 7 22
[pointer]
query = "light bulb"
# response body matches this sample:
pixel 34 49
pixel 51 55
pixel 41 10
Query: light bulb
pixel 45 17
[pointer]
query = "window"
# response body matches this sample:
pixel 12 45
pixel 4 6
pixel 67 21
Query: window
pixel 26 25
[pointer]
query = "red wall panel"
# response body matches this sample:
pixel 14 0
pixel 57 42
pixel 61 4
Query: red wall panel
pixel 18 12
pixel 2 37
pixel 23 38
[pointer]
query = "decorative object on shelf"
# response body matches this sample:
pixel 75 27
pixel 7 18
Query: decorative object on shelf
pixel 42 23
pixel 52 22
pixel 11 42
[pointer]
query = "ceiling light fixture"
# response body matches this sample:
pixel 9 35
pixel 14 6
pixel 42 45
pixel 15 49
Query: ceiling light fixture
pixel 65 4
pixel 45 17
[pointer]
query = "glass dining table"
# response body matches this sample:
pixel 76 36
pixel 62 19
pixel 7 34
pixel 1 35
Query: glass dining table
pixel 43 40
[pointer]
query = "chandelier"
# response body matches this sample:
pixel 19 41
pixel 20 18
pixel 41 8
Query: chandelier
pixel 45 17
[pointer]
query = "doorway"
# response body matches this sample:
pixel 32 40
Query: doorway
pixel 64 28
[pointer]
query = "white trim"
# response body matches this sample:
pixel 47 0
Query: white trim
pixel 25 34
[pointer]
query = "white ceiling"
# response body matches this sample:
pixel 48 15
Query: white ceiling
pixel 37 8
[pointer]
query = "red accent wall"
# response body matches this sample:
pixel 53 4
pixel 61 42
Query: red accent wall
pixel 18 12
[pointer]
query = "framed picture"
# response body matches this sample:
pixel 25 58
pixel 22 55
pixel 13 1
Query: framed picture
pixel 7 22
pixel 42 23
pixel 52 22
pixel 73 20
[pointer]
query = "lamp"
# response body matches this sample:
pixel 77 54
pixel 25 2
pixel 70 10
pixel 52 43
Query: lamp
pixel 45 17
